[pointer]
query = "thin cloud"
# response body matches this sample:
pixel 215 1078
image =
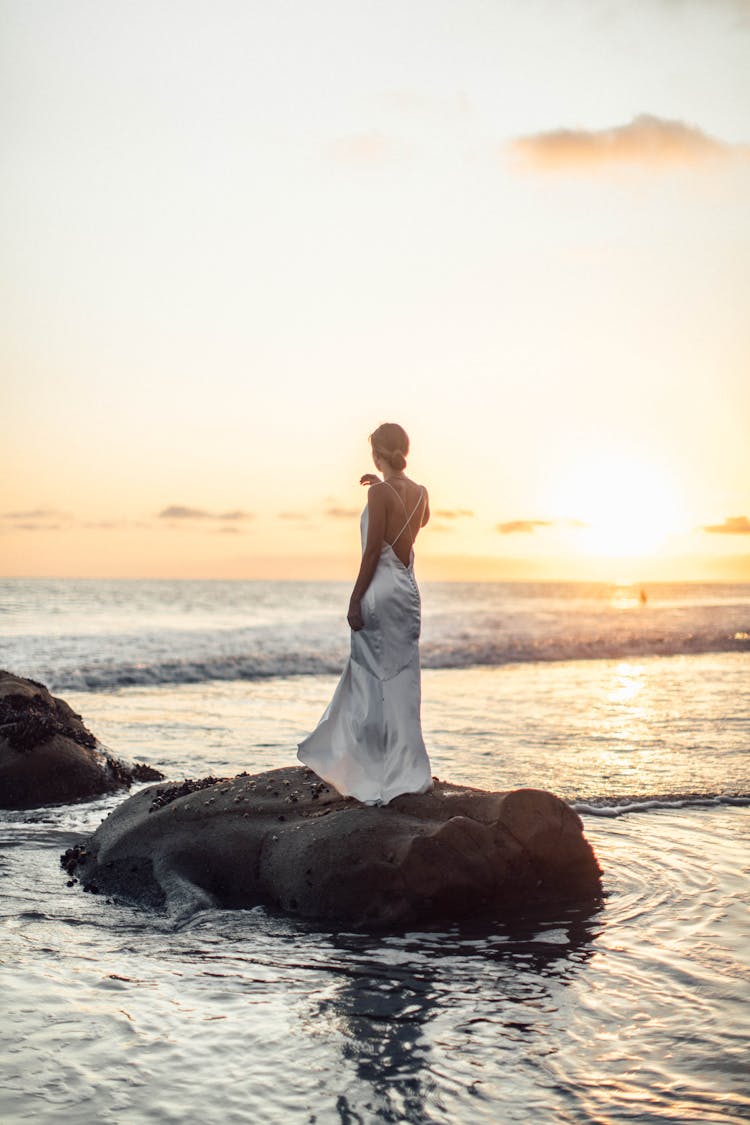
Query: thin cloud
pixel 364 149
pixel 179 512
pixel 36 514
pixel 113 525
pixel 29 525
pixel 182 512
pixel 50 519
pixel 454 513
pixel 525 527
pixel 36 519
pixel 732 525
pixel 513 527
pixel 342 513
pixel 646 140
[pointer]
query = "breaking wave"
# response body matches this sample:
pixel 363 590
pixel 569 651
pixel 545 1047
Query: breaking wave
pixel 273 659
pixel 618 806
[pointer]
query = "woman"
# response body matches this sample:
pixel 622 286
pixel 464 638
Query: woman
pixel 369 742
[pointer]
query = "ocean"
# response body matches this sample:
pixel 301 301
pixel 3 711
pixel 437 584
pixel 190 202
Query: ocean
pixel 634 1009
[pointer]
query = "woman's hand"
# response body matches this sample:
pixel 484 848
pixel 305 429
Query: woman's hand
pixel 369 478
pixel 354 616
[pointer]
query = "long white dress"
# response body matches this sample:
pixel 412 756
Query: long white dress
pixel 369 744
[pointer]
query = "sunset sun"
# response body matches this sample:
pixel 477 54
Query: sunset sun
pixel 626 507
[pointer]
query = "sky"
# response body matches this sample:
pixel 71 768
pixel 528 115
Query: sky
pixel 237 236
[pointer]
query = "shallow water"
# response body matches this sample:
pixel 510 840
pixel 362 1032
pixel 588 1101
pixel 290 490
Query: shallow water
pixel 585 729
pixel 632 1009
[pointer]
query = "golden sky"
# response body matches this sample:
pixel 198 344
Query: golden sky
pixel 237 236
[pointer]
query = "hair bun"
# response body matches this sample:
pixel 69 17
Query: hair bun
pixel 391 442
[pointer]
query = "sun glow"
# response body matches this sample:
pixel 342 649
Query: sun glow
pixel 623 507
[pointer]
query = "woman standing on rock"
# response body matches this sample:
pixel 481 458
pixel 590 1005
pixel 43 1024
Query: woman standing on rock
pixel 369 742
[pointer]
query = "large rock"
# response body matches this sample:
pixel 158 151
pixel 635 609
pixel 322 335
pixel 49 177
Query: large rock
pixel 48 756
pixel 286 839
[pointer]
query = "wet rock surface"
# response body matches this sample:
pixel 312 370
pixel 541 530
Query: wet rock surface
pixel 47 754
pixel 287 840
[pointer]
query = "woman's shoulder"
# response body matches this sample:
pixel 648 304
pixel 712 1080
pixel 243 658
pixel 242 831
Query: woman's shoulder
pixel 384 490
pixel 377 493
pixel 415 498
pixel 413 488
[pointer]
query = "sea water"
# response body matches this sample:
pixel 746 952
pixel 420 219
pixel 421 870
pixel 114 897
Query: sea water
pixel 634 1009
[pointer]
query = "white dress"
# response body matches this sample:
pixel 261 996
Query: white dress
pixel 369 742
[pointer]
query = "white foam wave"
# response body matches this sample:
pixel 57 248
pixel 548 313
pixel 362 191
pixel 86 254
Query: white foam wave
pixel 619 806
pixel 261 662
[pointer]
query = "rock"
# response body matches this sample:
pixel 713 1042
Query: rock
pixel 48 756
pixel 285 839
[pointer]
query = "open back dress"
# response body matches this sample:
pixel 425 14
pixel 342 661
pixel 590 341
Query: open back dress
pixel 369 744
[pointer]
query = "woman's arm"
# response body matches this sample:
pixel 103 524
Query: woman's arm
pixel 370 555
pixel 426 513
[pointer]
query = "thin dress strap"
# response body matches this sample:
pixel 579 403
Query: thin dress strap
pixel 403 505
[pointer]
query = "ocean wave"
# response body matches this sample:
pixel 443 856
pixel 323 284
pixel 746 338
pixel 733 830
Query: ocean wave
pixel 304 660
pixel 105 676
pixel 618 806
pixel 604 646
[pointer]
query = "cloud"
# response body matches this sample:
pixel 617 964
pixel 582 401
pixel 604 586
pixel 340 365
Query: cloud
pixel 364 149
pixel 646 140
pixel 293 516
pixel 513 526
pixel 51 519
pixel 35 514
pixel 113 525
pixel 732 525
pixel 33 526
pixel 181 512
pixel 36 519
pixel 178 512
pixel 342 513
pixel 453 513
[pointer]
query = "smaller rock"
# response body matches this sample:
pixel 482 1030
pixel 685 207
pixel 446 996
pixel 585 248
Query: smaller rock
pixel 48 756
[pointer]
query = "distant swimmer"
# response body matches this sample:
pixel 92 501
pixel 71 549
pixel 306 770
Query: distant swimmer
pixel 643 596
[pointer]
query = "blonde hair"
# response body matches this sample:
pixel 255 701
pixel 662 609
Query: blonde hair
pixel 391 442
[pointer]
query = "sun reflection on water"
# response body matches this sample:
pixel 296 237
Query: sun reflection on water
pixel 624 720
pixel 629 682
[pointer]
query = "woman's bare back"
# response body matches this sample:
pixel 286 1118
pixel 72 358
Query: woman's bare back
pixel 406 511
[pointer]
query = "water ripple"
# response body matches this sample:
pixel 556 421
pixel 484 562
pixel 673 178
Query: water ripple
pixel 632 1008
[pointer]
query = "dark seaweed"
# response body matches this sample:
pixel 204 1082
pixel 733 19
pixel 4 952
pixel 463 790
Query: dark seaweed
pixel 27 721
